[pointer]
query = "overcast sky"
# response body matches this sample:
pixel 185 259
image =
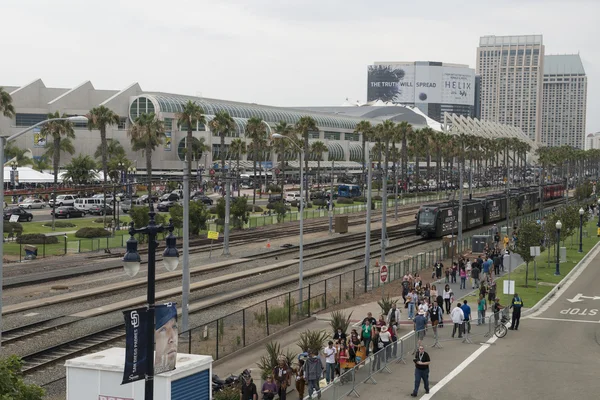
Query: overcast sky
pixel 277 52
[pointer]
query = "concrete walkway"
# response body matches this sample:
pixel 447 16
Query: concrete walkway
pixel 400 382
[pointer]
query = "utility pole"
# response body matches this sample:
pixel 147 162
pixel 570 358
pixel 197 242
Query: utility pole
pixel 331 201
pixel 384 214
pixel 185 284
pixel 227 207
pixel 461 164
pixel 368 221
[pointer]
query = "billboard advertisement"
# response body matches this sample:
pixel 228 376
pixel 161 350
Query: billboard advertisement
pixel 411 83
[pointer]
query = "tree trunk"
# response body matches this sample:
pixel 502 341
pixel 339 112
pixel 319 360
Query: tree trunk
pixel 318 172
pixel 254 179
pixel 363 162
pixel 237 173
pixel 222 135
pixel 149 170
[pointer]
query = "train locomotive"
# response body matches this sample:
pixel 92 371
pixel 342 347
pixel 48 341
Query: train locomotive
pixel 441 219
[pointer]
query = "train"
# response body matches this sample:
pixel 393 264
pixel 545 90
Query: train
pixel 441 219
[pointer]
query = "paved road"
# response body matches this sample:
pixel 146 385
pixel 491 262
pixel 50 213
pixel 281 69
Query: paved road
pixel 553 356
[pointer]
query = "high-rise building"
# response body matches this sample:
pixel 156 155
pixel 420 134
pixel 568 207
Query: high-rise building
pixel 511 70
pixel 433 87
pixel 564 101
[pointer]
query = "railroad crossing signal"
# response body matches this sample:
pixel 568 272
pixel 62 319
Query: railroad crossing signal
pixel 383 273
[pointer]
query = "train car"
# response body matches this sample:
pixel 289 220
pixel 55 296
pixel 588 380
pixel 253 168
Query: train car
pixel 554 191
pixel 494 208
pixel 472 214
pixel 437 220
pixel 349 191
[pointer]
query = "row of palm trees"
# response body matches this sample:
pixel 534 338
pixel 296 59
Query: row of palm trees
pixel 394 143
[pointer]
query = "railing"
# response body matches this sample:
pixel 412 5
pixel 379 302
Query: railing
pixel 230 333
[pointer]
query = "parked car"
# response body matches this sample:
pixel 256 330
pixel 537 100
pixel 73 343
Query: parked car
pixel 68 212
pixel 203 198
pixel 127 204
pixel 144 198
pixel 23 215
pixel 63 200
pixel 86 204
pixel 275 198
pixel 32 203
pixel 169 197
pixel 165 205
pixel 100 210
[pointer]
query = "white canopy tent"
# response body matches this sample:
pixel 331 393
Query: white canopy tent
pixel 29 175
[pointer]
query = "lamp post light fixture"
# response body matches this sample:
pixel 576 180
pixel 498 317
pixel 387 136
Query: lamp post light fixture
pixel 301 246
pixel 598 225
pixel 13 174
pixel 3 141
pixel 581 212
pixel 558 228
pixel 131 264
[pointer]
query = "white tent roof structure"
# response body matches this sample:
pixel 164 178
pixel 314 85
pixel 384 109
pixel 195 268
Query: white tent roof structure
pixel 29 175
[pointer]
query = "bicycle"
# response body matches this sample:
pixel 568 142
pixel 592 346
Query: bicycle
pixel 501 330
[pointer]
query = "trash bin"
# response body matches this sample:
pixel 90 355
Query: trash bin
pixel 478 242
pixel 30 252
pixel 341 224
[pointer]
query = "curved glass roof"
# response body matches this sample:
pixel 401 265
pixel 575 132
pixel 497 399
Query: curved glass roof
pixel 356 152
pixel 170 103
pixel 335 151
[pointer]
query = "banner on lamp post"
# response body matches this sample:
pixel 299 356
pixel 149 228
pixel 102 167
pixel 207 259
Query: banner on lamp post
pixel 136 323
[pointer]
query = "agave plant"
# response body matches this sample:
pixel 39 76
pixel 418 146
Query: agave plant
pixel 339 320
pixel 312 340
pixel 386 304
pixel 271 359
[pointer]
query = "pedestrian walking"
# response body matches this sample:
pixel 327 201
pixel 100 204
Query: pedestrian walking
pixel 463 278
pixel 393 315
pixel 453 272
pixel 248 389
pixel 439 267
pixel 475 275
pixel 481 308
pixel 516 305
pixel 497 307
pixel 367 334
pixel 422 362
pixel 329 352
pixel 458 318
pixel 466 317
pixel 313 371
pixel 281 374
pixel 420 322
pixel 300 381
pixel 447 296
pixel 269 388
pixel 468 269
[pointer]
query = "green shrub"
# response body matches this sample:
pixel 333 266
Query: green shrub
pixel 280 210
pixel 61 224
pixel 212 210
pixel 108 219
pixel 386 304
pixel 274 188
pixel 271 360
pixel 360 199
pixel 92 233
pixel 254 208
pixel 312 340
pixel 14 227
pixel 339 320
pixel 228 394
pixel 37 238
pixel 377 198
pixel 309 205
pixel 319 202
pixel 344 200
pixel 271 206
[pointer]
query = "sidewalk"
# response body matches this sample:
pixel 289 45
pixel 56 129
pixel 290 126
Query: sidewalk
pixel 444 359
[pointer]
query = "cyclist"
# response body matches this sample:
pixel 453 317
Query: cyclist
pixel 496 310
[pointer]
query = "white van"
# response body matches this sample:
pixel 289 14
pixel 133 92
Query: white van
pixel 87 204
pixel 292 196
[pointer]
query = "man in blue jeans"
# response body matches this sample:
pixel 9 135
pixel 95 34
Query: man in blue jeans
pixel 467 321
pixel 329 353
pixel 422 362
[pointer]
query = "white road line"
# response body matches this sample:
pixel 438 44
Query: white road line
pixel 567 284
pixel 565 320
pixel 438 386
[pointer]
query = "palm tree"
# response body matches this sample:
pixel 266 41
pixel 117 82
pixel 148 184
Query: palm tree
pixel 428 136
pixel 191 115
pixel 6 107
pixel 114 148
pixel 404 129
pixel 80 170
pixel 316 150
pixel 146 134
pixel 40 163
pixel 305 125
pixel 222 124
pixel 20 155
pixel 365 129
pixel 256 132
pixel 99 118
pixel 282 146
pixel 61 133
pixel 237 148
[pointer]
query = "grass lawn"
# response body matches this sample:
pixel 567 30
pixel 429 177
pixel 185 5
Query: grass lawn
pixel 545 271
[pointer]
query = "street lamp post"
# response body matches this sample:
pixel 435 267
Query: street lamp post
pixel 301 246
pixel 558 227
pixel 3 141
pixel 581 212
pixel 13 174
pixel 598 225
pixel 131 262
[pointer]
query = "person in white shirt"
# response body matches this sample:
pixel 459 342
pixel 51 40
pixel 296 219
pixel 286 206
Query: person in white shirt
pixel 329 353
pixel 468 269
pixel 424 307
pixel 458 317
